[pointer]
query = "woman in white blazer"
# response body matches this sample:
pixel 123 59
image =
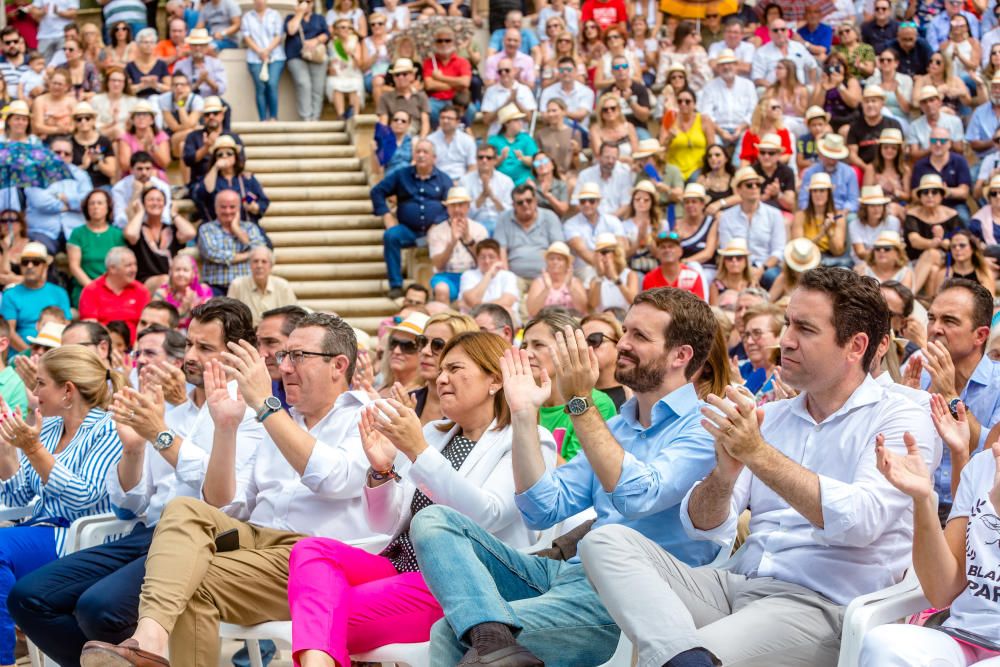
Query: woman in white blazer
pixel 344 600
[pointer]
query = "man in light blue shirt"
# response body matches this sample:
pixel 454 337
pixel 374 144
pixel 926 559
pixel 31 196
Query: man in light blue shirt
pixel 54 212
pixel 760 225
pixel 832 152
pixel 940 25
pixel 633 470
pixel 985 121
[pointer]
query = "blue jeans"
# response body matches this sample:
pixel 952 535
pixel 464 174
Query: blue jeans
pixel 220 44
pixel 476 578
pixel 90 594
pixel 769 276
pixel 435 109
pixel 23 549
pixel 393 241
pixel 267 93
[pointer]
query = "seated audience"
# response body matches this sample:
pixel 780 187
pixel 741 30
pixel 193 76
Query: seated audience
pixel 451 245
pixel 54 212
pixel 183 290
pixel 556 286
pixel 23 303
pixel 153 241
pixel 130 188
pixel 489 188
pixel 761 225
pixel 672 272
pixel 261 290
pixel 227 172
pixel 116 295
pixel 488 282
pixel 615 284
pixel 90 243
pixel 225 243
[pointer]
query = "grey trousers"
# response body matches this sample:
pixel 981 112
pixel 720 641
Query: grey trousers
pixel 309 79
pixel 666 607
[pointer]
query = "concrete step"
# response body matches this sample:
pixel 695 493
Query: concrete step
pixel 318 193
pixel 326 271
pixel 320 207
pixel 305 223
pixel 270 180
pixel 319 255
pixel 316 289
pixel 285 165
pixel 327 237
pixel 294 138
pixel 347 308
pixel 370 323
pixel 298 152
pixel 250 127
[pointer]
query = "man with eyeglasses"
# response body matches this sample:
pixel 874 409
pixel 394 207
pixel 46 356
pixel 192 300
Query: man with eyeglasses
pixel 24 302
pixel 881 31
pixel 634 98
pixel 778 186
pixel 862 137
pixel 918 136
pixel 13 64
pixel 490 190
pixel 523 66
pixel 985 121
pixel 767 57
pixel 712 30
pixel 494 319
pixel 445 73
pixel 732 39
pixel 505 91
pixel 583 229
pixel 578 97
pixel 181 109
pixel 307 478
pixel 54 212
pixel 761 225
pixel 953 169
pixel 815 35
pixel 524 233
pixel 728 99
pixel 198 144
pixel 403 97
pixel 613 179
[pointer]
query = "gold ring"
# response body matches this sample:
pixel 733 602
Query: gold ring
pixel 729 429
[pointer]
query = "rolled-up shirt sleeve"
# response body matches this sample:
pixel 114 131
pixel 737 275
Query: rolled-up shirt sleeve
pixel 724 532
pixel 134 502
pixel 558 494
pixel 337 471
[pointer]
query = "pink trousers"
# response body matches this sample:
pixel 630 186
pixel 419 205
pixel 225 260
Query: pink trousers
pixel 345 600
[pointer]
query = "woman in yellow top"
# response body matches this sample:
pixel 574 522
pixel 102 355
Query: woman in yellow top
pixel 689 137
pixel 821 222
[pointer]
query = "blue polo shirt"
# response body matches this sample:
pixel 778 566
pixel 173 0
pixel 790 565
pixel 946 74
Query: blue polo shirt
pixel 821 36
pixel 982 125
pixel 954 174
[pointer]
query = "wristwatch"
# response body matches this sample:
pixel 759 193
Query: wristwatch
pixel 577 405
pixel 164 440
pixel 953 407
pixel 384 475
pixel 271 405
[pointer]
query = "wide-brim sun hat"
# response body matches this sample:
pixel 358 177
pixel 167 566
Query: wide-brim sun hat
pixel 802 255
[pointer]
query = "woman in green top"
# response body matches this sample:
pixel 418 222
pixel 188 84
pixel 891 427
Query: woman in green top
pixel 89 245
pixel 515 147
pixel 860 57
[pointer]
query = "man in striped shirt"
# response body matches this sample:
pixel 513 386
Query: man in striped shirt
pixel 132 12
pixel 13 63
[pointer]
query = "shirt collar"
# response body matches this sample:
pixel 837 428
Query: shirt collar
pixel 678 403
pixel 984 372
pixel 869 391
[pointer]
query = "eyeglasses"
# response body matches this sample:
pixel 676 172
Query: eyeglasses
pixel 541 162
pixel 607 109
pixel 564 41
pixel 933 191
pixel 779 28
pixel 936 61
pixel 565 70
pixel 375 23
pixel 401 120
pixel 11 42
pixel 767 152
pixel 484 157
pixel 939 140
pixel 883 248
pixel 296 356
pixel 884 59
pixel 31 261
pixel 752 185
pixel 443 40
pixel 597 339
pixel 121 28
pixel 685 101
pixel 733 258
pixel 527 201
pixel 619 67
pixel 405 346
pixel 994 193
pixel 70 49
pixel 437 344
pixel 503 70
pixel 755 334
pixel 588 202
pixel 677 76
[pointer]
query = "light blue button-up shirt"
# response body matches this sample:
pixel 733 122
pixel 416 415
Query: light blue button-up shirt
pixel 48 214
pixel 661 463
pixel 981 396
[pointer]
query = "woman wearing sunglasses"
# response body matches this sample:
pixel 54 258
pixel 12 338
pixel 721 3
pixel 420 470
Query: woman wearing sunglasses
pixel 603 332
pixel 345 600
pixel 985 224
pixel 400 360
pixel 965 260
pixel 887 260
pixel 928 228
pixel 227 173
pixel 13 238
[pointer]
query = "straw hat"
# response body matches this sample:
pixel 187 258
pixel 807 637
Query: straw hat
pixel 83 109
pixel 726 56
pixel 995 81
pixel 832 146
pixel 213 103
pixel 820 181
pixel 927 93
pixel 402 65
pixel 559 248
pixel 142 106
pixel 509 113
pixel 930 182
pixel 17 108
pixel 874 90
pixel 198 36
pixel 364 340
pixel 646 148
pixel 695 191
pixel 590 191
pixel 735 248
pixel 892 238
pixel 770 141
pixel 49 336
pixel 225 141
pixel 994 184
pixel 414 324
pixel 606 240
pixel 676 67
pixel 746 174
pixel 36 250
pixel 891 135
pixel 816 112
pixel 457 195
pixel 802 255
pixel 872 195
pixel 645 185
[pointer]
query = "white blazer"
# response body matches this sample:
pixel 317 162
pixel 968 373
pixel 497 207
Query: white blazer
pixel 482 489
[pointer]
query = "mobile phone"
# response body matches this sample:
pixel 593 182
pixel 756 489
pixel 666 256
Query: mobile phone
pixel 228 540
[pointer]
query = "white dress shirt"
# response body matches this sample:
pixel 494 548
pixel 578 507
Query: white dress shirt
pixel 728 106
pixel 922 399
pixel 496 96
pixel 502 187
pixel 578 227
pixel 455 157
pixel 121 195
pixel 160 482
pixel 579 97
pixel 615 192
pixel 766 59
pixel 867 535
pixel 326 500
pixel 765 232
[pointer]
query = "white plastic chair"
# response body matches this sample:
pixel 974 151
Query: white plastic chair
pixel 888 605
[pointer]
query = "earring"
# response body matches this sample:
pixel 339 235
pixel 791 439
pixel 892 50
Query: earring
pixel 492 391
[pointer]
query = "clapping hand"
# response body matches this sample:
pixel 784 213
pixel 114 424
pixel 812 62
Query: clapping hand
pixel 939 364
pixel 26 368
pixel 399 393
pixel 954 432
pixel 244 364
pixel 782 390
pixel 734 423
pixel 401 426
pixel 519 388
pixel 141 411
pixel 911 378
pixel 577 368
pixel 364 375
pixel 170 379
pixel 227 412
pixel 16 432
pixel 907 473
pixel 380 452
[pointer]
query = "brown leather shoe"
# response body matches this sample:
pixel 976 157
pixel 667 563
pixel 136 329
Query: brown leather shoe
pixel 103 654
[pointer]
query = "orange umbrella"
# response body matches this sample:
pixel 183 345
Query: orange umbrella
pixel 696 9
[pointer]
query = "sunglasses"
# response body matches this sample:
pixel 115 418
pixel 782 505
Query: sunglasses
pixel 121 28
pixel 564 41
pixel 14 42
pixel 225 154
pixel 541 162
pixel 597 339
pixel 711 16
pixel 400 120
pixel 768 152
pixel 994 193
pixel 83 118
pixel 933 191
pixel 883 59
pixel 484 157
pixel 685 101
pixel 883 248
pixel 565 70
pixel 677 76
pixel 405 346
pixel 437 344
pixel 10 220
pixel 939 140
pixel 375 23
pixel 30 261
pixel 443 41
pixel 606 109
pixel 527 201
pixel 619 67
pixel 503 70
pixel 752 185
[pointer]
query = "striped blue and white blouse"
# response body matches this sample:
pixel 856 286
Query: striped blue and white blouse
pixel 76 485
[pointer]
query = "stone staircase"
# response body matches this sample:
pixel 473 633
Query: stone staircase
pixel 326 241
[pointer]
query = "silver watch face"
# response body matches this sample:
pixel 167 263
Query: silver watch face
pixel 577 405
pixel 272 403
pixel 164 439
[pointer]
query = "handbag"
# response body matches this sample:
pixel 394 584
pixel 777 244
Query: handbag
pixel 265 75
pixel 312 54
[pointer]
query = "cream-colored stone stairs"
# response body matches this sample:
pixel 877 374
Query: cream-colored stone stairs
pixel 326 241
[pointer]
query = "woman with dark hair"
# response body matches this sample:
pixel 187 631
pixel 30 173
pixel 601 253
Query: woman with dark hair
pixel 616 42
pixel 929 226
pixel 344 600
pixel 83 75
pixel 92 152
pixel 792 94
pixel 762 35
pixel 643 221
pixel 113 106
pixel 687 53
pixel 717 178
pixel 838 92
pixel 226 173
pixel 555 138
pixel 120 49
pixel 965 260
pixel 89 244
pixel 395 147
pixel 153 242
pixel 591 49
pixel 13 238
pixel 552 191
pixel 17 124
pixel 689 137
pixel 821 222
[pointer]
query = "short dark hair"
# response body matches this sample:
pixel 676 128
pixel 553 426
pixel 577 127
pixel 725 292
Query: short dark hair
pixel 10 30
pixel 121 328
pixel 692 323
pixel 291 314
pixel 234 317
pixel 858 306
pixel 140 157
pixel 982 301
pixel 96 333
pixel 338 339
pixel 903 292
pixel 173 315
pixel 500 315
pixel 522 188
pixel 566 60
pixel 449 108
pixel 419 288
pixel 174 342
pixel 608 145
pixel 54 311
pixel 99 193
pixel 488 244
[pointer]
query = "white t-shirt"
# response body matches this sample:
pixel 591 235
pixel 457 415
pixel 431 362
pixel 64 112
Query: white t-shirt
pixel 51 26
pixel 496 96
pixel 397 19
pixel 977 608
pixel 504 282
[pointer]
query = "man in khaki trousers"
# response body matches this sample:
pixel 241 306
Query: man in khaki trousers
pixel 226 559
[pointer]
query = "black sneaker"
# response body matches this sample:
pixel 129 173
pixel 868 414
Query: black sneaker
pixel 395 292
pixel 509 656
